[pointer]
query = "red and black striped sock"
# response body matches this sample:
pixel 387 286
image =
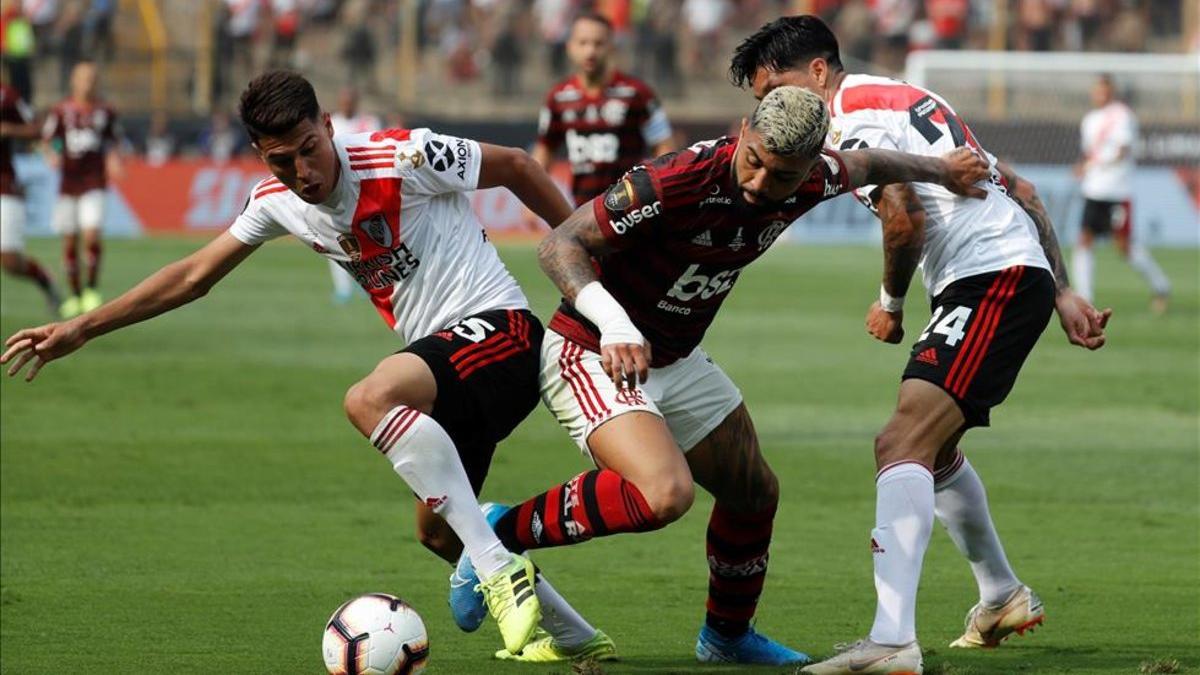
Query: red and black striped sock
pixel 737 564
pixel 71 263
pixel 592 504
pixel 93 263
pixel 37 274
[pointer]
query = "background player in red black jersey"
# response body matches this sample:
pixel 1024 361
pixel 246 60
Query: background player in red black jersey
pixel 994 273
pixel 81 138
pixel 622 367
pixel 608 120
pixel 16 122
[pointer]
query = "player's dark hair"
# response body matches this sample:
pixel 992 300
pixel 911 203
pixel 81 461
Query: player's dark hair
pixel 275 102
pixel 783 44
pixel 593 16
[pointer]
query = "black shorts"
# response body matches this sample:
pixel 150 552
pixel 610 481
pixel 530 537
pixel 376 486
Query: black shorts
pixel 983 328
pixel 1103 218
pixel 486 367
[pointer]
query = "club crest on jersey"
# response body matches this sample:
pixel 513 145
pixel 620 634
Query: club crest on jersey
pixel 771 233
pixel 439 154
pixel 836 136
pixel 620 196
pixel 376 227
pixel 350 246
pixel 613 112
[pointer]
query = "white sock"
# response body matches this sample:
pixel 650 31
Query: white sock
pixel 903 523
pixel 559 619
pixel 961 505
pixel 343 283
pixel 1081 272
pixel 425 457
pixel 1141 261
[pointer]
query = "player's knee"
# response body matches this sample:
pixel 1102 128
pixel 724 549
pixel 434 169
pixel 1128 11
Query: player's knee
pixel 365 403
pixel 765 494
pixel 889 446
pixel 670 497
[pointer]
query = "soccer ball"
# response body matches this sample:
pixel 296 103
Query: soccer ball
pixel 375 634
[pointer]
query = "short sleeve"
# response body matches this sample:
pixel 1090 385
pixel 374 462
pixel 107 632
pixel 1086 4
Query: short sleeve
pixel 830 175
pixel 451 164
pixel 255 226
pixel 1126 132
pixel 861 131
pixel 631 208
pixel 657 127
pixel 550 131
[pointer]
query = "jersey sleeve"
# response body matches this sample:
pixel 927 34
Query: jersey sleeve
pixel 829 175
pixel 255 226
pixel 550 132
pixel 451 164
pixel 632 208
pixel 656 128
pixel 860 131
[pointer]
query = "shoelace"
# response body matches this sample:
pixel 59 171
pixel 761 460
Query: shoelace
pixel 490 596
pixel 843 647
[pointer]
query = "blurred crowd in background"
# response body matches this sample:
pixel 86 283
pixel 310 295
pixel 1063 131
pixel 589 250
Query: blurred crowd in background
pixel 512 50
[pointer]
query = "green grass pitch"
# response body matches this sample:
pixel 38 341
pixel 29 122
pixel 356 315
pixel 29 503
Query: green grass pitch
pixel 186 496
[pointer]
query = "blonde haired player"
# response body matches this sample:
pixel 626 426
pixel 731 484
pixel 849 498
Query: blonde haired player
pixel 644 269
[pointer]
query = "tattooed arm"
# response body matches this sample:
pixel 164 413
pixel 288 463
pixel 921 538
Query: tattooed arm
pixel 565 255
pixel 1024 193
pixel 1083 323
pixel 903 220
pixel 957 171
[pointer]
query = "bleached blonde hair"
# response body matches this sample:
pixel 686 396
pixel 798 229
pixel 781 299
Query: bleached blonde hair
pixel 791 121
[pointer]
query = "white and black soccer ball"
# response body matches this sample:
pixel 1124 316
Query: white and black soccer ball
pixel 375 634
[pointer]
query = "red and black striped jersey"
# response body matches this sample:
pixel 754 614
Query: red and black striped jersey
pixel 86 133
pixel 605 133
pixel 13 110
pixel 683 233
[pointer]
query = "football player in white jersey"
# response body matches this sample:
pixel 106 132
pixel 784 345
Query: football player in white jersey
pixel 1107 135
pixel 390 208
pixel 994 273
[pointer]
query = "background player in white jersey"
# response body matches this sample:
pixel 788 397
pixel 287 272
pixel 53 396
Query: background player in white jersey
pixel 469 374
pixel 348 120
pixel 1107 136
pixel 987 267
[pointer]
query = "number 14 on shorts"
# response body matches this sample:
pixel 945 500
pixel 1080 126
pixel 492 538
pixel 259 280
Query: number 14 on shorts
pixel 953 325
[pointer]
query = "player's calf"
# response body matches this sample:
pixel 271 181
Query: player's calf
pixel 435 534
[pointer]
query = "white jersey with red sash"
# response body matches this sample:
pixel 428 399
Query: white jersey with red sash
pixel 400 223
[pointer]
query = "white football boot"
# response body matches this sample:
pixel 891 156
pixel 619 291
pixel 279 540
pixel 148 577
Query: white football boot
pixel 987 627
pixel 867 658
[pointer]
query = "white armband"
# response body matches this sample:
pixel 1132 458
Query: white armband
pixel 888 303
pixel 598 306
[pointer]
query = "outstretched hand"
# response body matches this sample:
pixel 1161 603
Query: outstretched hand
pixel 40 346
pixel 964 169
pixel 1083 323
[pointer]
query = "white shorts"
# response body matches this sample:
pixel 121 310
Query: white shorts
pixel 85 212
pixel 693 395
pixel 12 224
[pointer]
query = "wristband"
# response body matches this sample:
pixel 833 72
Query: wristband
pixel 598 306
pixel 888 303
